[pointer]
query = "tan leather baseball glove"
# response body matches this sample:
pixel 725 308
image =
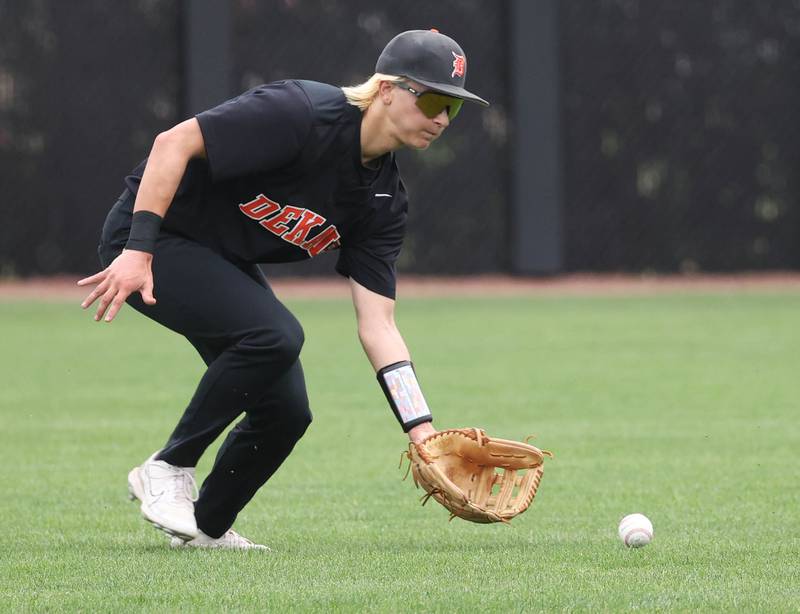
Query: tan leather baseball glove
pixel 477 478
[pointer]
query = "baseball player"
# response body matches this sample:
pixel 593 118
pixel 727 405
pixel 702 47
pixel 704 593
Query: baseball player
pixel 281 173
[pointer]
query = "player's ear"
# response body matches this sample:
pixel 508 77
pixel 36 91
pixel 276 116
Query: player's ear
pixel 385 92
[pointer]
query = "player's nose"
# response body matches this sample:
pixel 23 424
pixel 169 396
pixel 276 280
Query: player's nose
pixel 443 119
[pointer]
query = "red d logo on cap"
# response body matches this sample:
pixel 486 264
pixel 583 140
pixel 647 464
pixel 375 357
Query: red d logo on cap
pixel 459 65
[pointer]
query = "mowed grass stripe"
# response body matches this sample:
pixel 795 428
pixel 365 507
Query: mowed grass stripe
pixel 682 407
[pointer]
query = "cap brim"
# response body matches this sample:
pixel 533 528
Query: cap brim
pixel 452 90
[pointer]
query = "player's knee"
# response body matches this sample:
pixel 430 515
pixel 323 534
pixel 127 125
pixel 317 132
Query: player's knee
pixel 298 422
pixel 292 420
pixel 290 341
pixel 274 346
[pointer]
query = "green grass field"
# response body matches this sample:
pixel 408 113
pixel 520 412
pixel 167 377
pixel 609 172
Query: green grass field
pixel 683 407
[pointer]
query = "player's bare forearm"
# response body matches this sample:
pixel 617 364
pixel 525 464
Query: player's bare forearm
pixel 382 343
pixel 381 340
pixel 166 165
pixel 377 331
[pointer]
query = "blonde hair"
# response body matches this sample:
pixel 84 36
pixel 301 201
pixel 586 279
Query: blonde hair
pixel 362 95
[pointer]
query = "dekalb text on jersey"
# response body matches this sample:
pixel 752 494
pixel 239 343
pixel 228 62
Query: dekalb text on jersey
pixel 278 220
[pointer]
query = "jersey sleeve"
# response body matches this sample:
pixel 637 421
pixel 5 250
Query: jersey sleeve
pixel 263 129
pixel 371 261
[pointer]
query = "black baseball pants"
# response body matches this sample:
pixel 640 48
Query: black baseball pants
pixel 251 345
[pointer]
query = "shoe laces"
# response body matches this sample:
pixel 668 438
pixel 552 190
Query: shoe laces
pixel 181 483
pixel 233 538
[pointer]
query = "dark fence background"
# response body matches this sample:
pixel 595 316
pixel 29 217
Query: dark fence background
pixel 681 134
pixel 679 124
pixel 84 88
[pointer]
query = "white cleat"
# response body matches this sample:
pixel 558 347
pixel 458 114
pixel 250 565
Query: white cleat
pixel 229 541
pixel 167 494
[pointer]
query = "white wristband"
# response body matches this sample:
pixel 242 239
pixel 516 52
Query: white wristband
pixel 400 385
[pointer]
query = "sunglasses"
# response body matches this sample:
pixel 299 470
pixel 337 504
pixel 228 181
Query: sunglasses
pixel 432 103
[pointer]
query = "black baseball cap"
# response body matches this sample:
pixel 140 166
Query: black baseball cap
pixel 429 58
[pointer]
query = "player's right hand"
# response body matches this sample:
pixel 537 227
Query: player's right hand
pixel 130 272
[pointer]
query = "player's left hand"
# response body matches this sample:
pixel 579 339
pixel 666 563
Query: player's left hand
pixel 421 432
pixel 476 477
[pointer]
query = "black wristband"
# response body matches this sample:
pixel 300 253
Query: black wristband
pixel 400 385
pixel 144 231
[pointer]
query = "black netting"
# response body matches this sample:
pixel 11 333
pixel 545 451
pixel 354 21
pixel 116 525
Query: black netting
pixel 84 88
pixel 681 134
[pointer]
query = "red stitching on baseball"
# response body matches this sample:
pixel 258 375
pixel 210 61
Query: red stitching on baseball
pixel 630 532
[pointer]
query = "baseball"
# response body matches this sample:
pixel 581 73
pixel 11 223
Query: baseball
pixel 635 530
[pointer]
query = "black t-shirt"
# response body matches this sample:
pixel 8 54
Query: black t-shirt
pixel 283 181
